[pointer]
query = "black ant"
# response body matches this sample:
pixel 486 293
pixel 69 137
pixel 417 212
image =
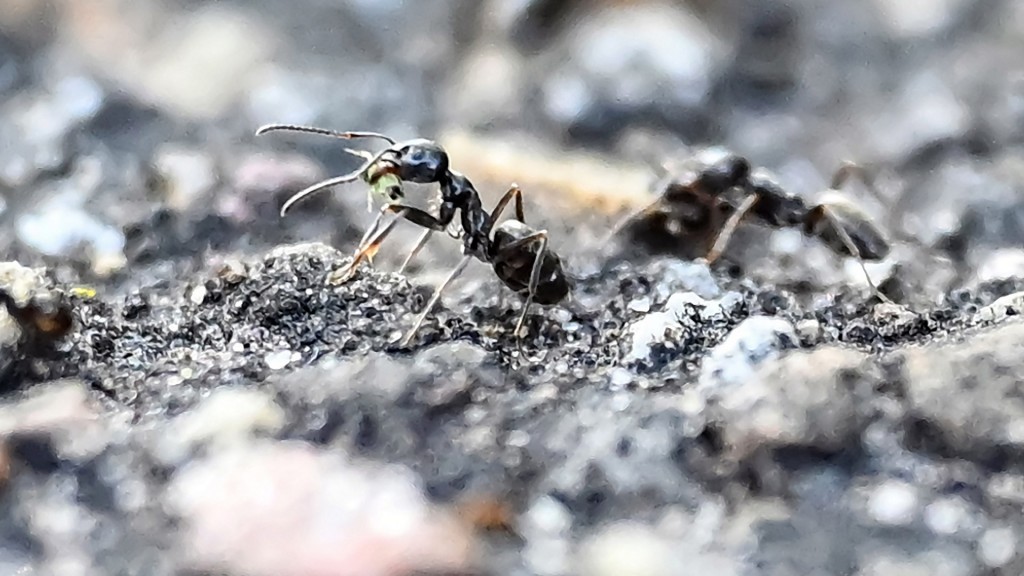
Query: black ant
pixel 702 198
pixel 518 253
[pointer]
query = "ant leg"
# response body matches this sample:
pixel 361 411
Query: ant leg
pixel 848 170
pixel 415 250
pixel 434 299
pixel 410 213
pixel 513 191
pixel 373 230
pixel 725 234
pixel 852 247
pixel 366 251
pixel 541 238
pixel 628 219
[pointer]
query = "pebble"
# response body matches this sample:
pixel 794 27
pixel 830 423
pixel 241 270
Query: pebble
pixel 997 547
pixel 628 549
pixel 56 228
pixel 668 325
pixel 278 359
pixel 751 343
pixel 325 510
pixel 947 516
pixel 893 503
pixel 909 20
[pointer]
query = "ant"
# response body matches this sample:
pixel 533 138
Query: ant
pixel 518 254
pixel 702 198
pixel 43 319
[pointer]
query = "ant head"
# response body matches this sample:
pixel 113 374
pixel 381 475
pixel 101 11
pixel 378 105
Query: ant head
pixel 837 216
pixel 421 161
pixel 721 170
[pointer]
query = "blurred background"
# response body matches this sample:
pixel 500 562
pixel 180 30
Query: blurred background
pixel 126 125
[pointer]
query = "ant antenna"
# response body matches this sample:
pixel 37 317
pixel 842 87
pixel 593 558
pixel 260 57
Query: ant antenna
pixel 345 178
pixel 323 132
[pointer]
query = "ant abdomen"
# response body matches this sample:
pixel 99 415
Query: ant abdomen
pixel 514 260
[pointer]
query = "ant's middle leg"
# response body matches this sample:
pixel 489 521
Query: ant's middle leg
pixel 851 246
pixel 435 298
pixel 416 249
pixel 725 234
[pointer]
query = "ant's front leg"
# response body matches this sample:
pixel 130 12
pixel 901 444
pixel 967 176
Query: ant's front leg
pixel 367 251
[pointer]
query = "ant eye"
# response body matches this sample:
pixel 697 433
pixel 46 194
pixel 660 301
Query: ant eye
pixel 418 156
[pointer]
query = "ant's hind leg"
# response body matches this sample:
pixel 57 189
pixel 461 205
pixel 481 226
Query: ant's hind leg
pixel 852 247
pixel 434 299
pixel 517 193
pixel 729 228
pixel 541 238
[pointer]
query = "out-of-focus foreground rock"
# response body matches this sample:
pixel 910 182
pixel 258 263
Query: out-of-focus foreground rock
pixel 183 392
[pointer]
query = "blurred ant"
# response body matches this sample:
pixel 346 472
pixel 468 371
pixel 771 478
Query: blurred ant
pixel 702 198
pixel 418 161
pixel 43 320
pixel 518 253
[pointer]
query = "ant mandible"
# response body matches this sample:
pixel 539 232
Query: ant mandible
pixel 699 198
pixel 518 254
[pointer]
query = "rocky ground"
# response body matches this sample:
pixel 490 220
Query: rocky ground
pixel 184 392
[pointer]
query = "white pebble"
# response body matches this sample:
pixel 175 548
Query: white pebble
pixel 620 377
pixel 628 549
pixel 198 295
pixel 278 360
pixel 997 547
pixel 640 305
pixel 946 516
pixel 893 503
